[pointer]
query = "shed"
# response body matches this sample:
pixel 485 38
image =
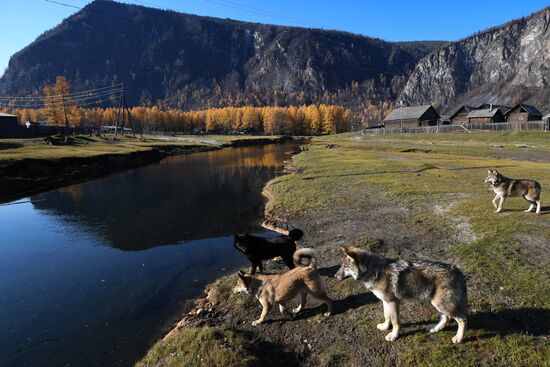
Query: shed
pixel 412 117
pixel 485 116
pixel 523 112
pixel 9 126
pixel 546 119
pixel 457 116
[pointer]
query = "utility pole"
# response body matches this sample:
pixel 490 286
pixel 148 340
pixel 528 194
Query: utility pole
pixel 401 102
pixel 119 111
pixel 123 108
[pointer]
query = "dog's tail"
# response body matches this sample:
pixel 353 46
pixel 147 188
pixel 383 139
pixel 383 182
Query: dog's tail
pixel 306 253
pixel 296 234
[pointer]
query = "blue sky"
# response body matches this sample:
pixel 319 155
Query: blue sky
pixel 392 20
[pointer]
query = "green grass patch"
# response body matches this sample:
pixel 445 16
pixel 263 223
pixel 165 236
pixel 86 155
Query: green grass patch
pixel 202 347
pixel 511 350
pixel 504 255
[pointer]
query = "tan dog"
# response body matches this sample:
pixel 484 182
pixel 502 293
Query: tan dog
pixel 508 187
pixel 393 281
pixel 281 288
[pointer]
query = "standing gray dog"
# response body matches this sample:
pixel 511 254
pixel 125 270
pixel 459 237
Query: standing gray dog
pixel 393 281
pixel 508 187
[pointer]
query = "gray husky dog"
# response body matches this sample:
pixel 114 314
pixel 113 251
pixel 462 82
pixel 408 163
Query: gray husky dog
pixel 393 281
pixel 508 187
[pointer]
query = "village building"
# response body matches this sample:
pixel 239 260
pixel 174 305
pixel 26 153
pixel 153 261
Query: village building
pixel 412 117
pixel 458 116
pixel 9 126
pixel 485 116
pixel 546 119
pixel 489 106
pixel 522 113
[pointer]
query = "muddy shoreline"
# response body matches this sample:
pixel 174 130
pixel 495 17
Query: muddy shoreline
pixel 32 176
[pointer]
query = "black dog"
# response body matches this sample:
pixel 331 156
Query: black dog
pixel 257 248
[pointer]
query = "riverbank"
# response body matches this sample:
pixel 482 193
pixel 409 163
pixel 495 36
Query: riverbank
pixel 411 197
pixel 29 166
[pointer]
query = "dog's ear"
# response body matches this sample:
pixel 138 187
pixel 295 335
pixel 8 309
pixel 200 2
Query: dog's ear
pixel 350 251
pixel 489 171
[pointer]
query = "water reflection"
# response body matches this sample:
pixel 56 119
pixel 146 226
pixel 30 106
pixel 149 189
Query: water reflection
pixel 69 296
pixel 182 198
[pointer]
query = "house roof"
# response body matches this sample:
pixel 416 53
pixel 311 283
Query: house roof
pixel 485 106
pixel 532 110
pixel 408 112
pixel 483 113
pixel 546 116
pixel 450 114
pixel 2 114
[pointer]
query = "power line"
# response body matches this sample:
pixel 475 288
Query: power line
pixel 258 11
pixel 60 98
pixel 64 4
pixel 93 90
pixel 41 109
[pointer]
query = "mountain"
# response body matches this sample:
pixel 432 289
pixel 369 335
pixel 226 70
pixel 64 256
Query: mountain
pixel 503 65
pixel 187 61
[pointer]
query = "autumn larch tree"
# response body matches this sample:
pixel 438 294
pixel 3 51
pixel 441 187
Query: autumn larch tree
pixel 56 102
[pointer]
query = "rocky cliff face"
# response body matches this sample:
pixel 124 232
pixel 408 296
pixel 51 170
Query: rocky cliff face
pixel 181 60
pixel 506 64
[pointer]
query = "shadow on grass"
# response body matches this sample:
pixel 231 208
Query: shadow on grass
pixel 5 146
pixel 543 210
pixel 531 321
pixel 270 354
pixel 340 306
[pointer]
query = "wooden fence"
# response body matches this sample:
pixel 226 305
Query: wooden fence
pixel 497 126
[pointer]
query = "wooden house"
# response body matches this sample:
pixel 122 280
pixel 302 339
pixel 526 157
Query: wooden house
pixel 459 115
pixel 412 117
pixel 485 116
pixel 522 113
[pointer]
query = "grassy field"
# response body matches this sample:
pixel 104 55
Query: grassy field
pixel 86 146
pixel 415 196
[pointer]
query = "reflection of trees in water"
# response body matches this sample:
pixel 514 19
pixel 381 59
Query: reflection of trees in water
pixel 197 196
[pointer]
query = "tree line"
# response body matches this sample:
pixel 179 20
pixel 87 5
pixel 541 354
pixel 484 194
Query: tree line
pixel 293 120
pixel 61 107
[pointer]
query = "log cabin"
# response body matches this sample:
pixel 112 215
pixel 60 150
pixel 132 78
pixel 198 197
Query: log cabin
pixel 412 117
pixel 523 113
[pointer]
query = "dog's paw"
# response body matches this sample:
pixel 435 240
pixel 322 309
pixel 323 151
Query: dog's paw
pixel 498 210
pixel 391 337
pixel 456 339
pixel 432 329
pixel 527 211
pixel 327 314
pixel 296 310
pixel 256 322
pixel 383 326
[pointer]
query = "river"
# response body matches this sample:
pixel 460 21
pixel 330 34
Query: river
pixel 90 274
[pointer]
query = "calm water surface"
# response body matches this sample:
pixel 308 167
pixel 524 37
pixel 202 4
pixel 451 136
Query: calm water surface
pixel 90 273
